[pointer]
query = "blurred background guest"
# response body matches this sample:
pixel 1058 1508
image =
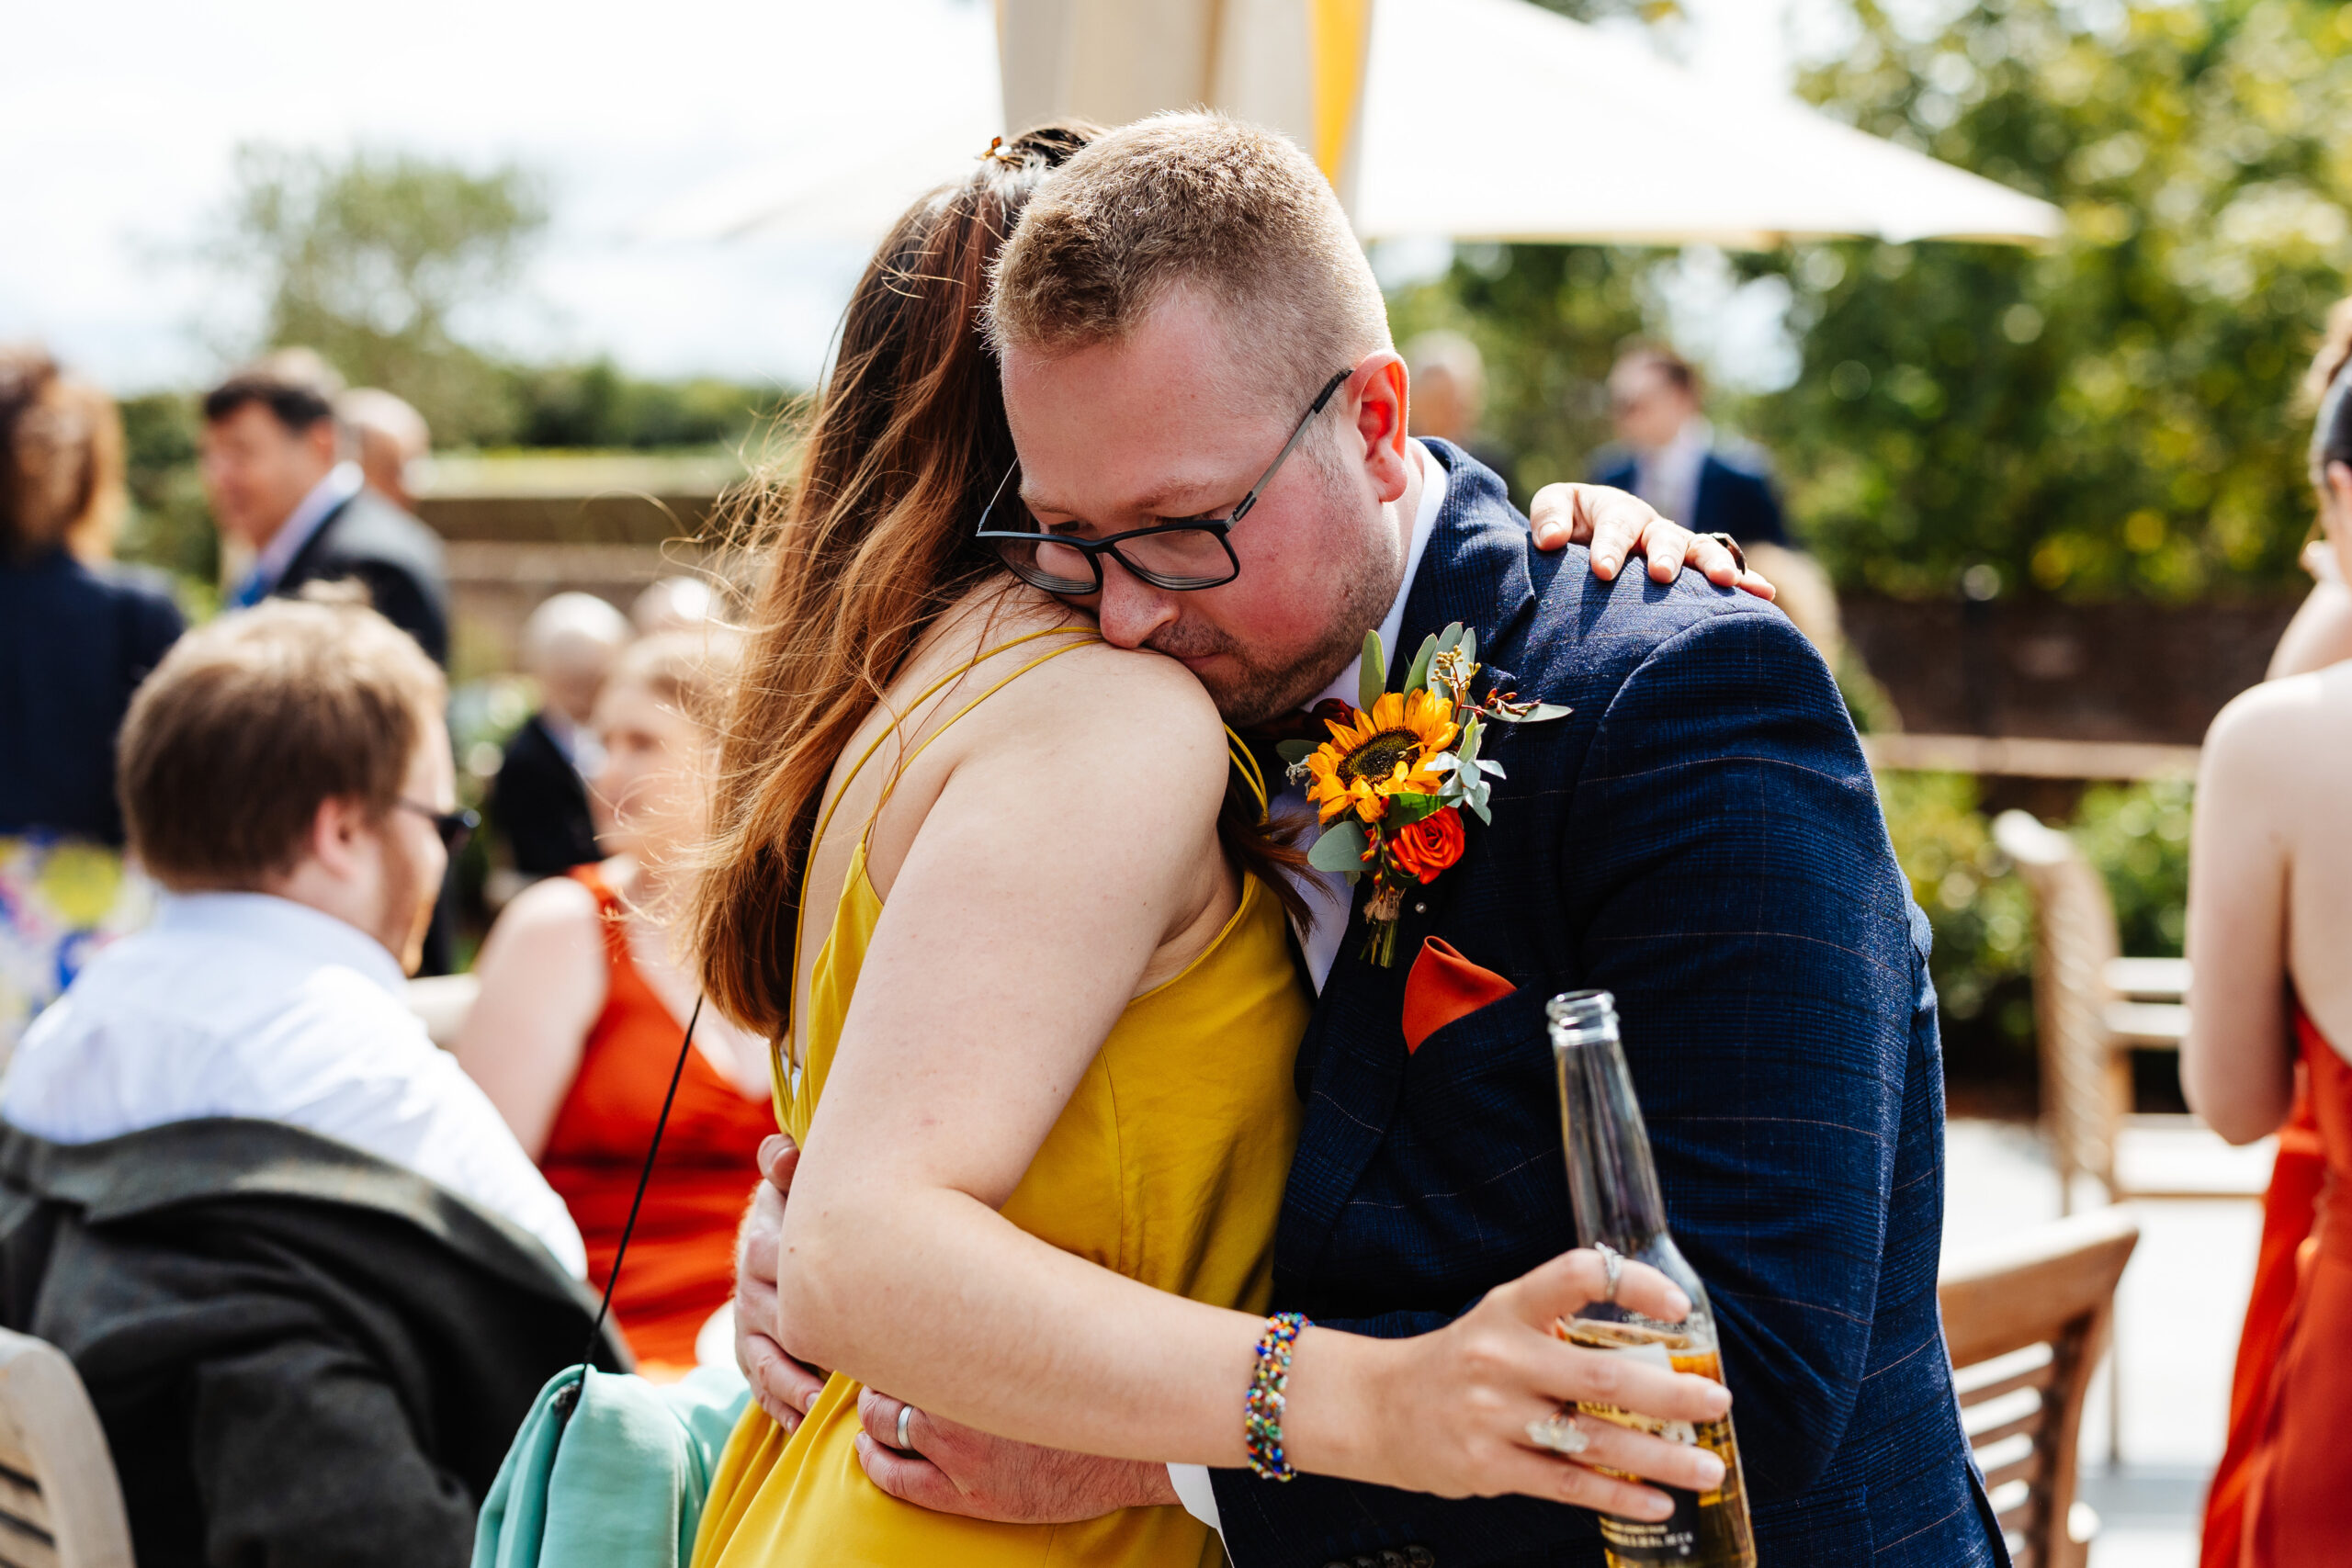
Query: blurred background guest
pixel 391 439
pixel 354 1240
pixel 77 634
pixel 1449 396
pixel 2270 1027
pixel 673 604
pixel 281 483
pixel 1671 458
pixel 583 1002
pixel 539 801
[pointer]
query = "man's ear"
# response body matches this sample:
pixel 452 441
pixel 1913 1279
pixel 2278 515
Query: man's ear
pixel 325 441
pixel 1378 390
pixel 336 829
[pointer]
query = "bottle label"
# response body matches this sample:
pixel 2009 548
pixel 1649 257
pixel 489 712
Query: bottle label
pixel 1707 1528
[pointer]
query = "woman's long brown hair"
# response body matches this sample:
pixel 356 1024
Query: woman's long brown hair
pixel 862 553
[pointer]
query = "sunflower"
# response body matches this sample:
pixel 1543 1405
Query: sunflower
pixel 1384 752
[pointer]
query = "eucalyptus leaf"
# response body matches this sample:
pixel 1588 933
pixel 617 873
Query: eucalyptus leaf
pixel 1530 712
pixel 1494 769
pixel 1470 647
pixel 1295 751
pixel 1371 675
pixel 1478 804
pixel 1340 848
pixel 1471 735
pixel 1418 675
pixel 1447 639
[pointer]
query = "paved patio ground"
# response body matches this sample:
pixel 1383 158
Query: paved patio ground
pixel 2177 1314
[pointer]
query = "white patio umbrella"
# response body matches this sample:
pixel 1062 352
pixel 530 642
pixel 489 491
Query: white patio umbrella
pixel 1491 120
pixel 1474 119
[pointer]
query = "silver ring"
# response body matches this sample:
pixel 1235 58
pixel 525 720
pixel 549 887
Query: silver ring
pixel 1559 1433
pixel 906 1414
pixel 1612 1265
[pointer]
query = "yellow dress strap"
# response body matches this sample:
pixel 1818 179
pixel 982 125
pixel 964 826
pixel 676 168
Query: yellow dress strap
pixel 1247 765
pixel 809 857
pixel 1086 638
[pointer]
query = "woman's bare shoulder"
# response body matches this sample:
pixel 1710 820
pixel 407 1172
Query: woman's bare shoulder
pixel 554 917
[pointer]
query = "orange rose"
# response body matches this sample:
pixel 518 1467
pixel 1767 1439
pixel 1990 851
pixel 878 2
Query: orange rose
pixel 1428 846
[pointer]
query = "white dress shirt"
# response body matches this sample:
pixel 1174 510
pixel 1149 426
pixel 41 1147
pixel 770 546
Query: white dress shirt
pixel 1327 895
pixel 1669 478
pixel 242 1004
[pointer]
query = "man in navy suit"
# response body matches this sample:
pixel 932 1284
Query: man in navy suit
pixel 1670 456
pixel 1698 835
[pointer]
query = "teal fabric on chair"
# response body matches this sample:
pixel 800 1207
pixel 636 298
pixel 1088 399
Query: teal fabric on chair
pixel 621 1484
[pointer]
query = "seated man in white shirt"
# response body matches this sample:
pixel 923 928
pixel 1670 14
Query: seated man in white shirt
pixel 310 1278
pixel 286 775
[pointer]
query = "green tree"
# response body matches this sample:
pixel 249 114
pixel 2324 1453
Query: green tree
pixel 2115 414
pixel 1547 319
pixel 374 260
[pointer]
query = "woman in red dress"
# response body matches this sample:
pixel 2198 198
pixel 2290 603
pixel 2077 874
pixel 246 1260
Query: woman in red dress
pixel 582 1006
pixel 2269 922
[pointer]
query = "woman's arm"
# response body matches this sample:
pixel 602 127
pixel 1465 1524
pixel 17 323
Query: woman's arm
pixel 1058 858
pixel 543 983
pixel 2237 1062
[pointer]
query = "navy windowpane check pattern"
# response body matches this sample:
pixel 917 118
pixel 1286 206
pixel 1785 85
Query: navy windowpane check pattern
pixel 1701 837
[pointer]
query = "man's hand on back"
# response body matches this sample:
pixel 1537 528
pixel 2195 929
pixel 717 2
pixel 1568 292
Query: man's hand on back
pixel 781 1386
pixel 955 1470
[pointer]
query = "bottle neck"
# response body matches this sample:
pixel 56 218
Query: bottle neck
pixel 1611 1181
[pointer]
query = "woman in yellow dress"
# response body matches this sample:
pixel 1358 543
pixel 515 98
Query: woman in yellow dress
pixel 1002 894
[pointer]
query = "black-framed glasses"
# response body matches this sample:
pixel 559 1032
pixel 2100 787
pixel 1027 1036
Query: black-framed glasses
pixel 455 827
pixel 1183 556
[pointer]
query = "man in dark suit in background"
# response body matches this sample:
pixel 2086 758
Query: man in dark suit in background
pixel 540 800
pixel 278 473
pixel 1670 456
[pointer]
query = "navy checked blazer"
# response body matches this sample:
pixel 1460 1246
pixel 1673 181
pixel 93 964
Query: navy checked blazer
pixel 1700 836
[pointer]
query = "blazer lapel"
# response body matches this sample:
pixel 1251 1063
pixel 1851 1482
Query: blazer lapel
pixel 1474 570
pixel 310 558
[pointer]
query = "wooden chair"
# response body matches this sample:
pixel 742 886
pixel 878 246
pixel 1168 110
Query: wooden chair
pixel 61 1506
pixel 2091 1009
pixel 2026 1321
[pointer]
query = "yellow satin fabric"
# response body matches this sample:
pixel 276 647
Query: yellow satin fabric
pixel 1167 1166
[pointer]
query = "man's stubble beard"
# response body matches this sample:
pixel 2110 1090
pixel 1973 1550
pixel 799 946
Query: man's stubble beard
pixel 409 900
pixel 1264 690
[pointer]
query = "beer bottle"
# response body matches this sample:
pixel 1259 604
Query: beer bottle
pixel 1614 1187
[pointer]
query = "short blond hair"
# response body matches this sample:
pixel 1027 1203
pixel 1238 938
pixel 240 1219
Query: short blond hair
pixel 1198 201
pixel 252 723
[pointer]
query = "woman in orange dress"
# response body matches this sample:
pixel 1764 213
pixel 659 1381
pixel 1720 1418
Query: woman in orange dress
pixel 576 1031
pixel 2269 920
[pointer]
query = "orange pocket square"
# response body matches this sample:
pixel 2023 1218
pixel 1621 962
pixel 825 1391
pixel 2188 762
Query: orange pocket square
pixel 1444 986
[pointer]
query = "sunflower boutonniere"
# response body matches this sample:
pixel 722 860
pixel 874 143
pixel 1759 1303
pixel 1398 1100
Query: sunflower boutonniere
pixel 1390 786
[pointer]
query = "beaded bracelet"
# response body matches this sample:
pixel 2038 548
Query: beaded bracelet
pixel 1261 1412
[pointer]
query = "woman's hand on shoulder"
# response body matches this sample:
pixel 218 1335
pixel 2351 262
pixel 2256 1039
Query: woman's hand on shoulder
pixel 543 979
pixel 1616 523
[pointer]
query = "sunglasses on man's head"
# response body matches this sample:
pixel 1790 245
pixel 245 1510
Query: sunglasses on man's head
pixel 1182 557
pixel 455 827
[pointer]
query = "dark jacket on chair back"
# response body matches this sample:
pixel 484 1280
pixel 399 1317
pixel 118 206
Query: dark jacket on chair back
pixel 301 1353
